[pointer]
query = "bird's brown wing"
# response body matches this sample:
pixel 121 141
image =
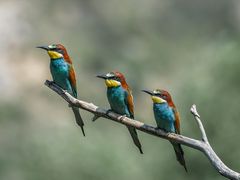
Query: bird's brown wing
pixel 72 79
pixel 177 120
pixel 129 102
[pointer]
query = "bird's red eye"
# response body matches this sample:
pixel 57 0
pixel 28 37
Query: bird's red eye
pixel 164 97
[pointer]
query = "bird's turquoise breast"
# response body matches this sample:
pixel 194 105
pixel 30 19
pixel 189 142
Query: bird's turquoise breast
pixel 117 100
pixel 164 116
pixel 60 74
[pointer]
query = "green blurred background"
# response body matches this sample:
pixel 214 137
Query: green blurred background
pixel 190 48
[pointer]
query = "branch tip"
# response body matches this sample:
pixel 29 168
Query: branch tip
pixel 194 110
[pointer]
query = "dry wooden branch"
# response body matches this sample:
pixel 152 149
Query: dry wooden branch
pixel 201 145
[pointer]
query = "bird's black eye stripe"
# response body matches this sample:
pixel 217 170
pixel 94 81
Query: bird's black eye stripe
pixel 111 77
pixel 57 50
pixel 161 96
pixel 60 51
pixel 114 78
pixel 53 49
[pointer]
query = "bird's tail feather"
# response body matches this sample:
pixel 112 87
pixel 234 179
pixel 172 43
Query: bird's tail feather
pixel 134 135
pixel 78 119
pixel 179 154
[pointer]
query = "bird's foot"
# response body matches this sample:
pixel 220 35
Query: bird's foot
pixel 50 82
pixel 157 128
pixel 109 111
pixel 122 117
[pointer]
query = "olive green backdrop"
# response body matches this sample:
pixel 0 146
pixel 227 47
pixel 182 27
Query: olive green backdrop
pixel 190 48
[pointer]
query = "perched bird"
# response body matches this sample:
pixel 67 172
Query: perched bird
pixel 63 74
pixel 121 100
pixel 167 118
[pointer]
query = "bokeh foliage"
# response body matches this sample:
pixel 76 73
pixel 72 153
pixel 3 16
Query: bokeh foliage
pixel 190 48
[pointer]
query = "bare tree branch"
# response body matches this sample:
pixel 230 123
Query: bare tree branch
pixel 201 145
pixel 199 122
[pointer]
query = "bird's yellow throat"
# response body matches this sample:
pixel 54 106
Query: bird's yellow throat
pixel 158 100
pixel 54 55
pixel 112 83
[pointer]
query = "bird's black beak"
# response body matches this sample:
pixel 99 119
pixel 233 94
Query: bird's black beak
pixel 148 92
pixel 103 76
pixel 43 47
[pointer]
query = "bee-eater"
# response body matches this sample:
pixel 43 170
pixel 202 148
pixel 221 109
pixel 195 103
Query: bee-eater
pixel 167 118
pixel 121 100
pixel 63 74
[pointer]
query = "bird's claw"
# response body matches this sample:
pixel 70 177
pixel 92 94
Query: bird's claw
pixel 157 128
pixel 108 111
pixel 123 116
pixel 50 82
